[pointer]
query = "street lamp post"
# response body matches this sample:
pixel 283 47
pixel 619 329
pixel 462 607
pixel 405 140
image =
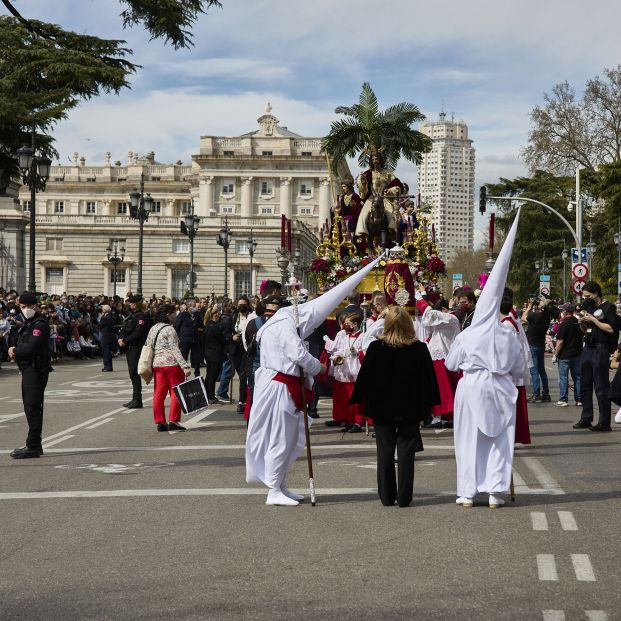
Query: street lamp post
pixel 116 255
pixel 140 208
pixel 617 238
pixel 251 244
pixel 544 266
pixel 224 239
pixel 35 173
pixel 564 256
pixel 189 227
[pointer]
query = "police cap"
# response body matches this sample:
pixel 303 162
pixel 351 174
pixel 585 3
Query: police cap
pixel 27 298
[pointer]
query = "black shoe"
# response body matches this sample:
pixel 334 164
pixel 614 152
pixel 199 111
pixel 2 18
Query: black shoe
pixel 332 423
pixel 355 429
pixel 599 427
pixel 448 424
pixel 545 399
pixel 25 452
pixel 241 407
pixel 582 424
pixel 173 426
pixel 214 400
pixel 106 370
pixel 534 399
pixel 313 414
pixel 347 427
pixel 162 427
pixel 133 405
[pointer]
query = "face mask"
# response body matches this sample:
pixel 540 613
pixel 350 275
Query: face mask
pixel 29 313
pixel 268 313
pixel 242 308
pixel 588 304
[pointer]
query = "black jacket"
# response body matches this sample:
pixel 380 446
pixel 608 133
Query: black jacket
pixel 185 327
pixel 399 383
pixel 215 343
pixel 136 329
pixel 33 349
pixel 106 329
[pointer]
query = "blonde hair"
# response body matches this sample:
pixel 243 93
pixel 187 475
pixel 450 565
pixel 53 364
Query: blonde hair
pixel 211 314
pixel 398 328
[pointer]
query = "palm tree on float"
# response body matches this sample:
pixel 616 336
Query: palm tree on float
pixel 366 129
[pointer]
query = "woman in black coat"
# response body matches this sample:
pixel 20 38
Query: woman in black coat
pixel 214 349
pixel 107 336
pixel 397 383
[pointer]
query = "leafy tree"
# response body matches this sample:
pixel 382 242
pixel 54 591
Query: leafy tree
pixel 469 263
pixel 46 71
pixel 567 131
pixel 365 126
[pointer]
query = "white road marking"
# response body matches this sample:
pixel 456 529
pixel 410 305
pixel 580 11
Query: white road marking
pixel 3 398
pixel 546 480
pixel 101 422
pixel 583 568
pixel 57 441
pixel 7 417
pixel 568 522
pixel 539 520
pixel 125 493
pixel 546 567
pixel 553 615
pixel 596 615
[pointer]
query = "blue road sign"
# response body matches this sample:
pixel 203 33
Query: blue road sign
pixel 575 258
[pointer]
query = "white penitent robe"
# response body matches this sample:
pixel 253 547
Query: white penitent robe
pixel 484 415
pixel 275 436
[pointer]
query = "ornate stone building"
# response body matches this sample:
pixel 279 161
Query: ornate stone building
pixel 247 181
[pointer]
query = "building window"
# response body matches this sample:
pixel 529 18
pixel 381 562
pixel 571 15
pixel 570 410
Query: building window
pixel 227 209
pixel 53 243
pixel 91 207
pixel 54 280
pixel 267 153
pixel 307 153
pixel 228 153
pixel 228 188
pixel 241 247
pixel 120 276
pixel 266 188
pixel 186 208
pixel 306 211
pixel 26 205
pixel 157 207
pixel 306 189
pixel 181 246
pixel 121 208
pixel 59 206
pixel 266 211
pixel 178 284
pixel 242 283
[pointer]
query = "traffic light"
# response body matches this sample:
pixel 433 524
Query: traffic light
pixel 482 199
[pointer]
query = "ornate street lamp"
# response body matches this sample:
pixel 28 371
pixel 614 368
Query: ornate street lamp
pixel 189 227
pixel 116 255
pixel 224 239
pixel 139 209
pixel 35 173
pixel 544 266
pixel 251 244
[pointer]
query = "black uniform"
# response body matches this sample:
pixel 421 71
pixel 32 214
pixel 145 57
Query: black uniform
pixel 135 334
pixel 32 354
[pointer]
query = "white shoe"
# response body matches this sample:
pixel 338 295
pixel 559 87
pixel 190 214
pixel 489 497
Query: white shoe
pixel 289 494
pixel 465 502
pixel 495 502
pixel 618 417
pixel 277 498
pixel 562 404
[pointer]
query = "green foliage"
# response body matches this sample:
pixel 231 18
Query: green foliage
pixel 365 126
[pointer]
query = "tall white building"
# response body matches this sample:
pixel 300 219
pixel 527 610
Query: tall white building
pixel 446 181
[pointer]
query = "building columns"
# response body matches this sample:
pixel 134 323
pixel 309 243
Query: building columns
pixel 247 187
pixel 205 198
pixel 324 201
pixel 285 197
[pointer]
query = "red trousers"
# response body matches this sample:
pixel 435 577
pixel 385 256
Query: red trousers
pixel 342 411
pixel 165 378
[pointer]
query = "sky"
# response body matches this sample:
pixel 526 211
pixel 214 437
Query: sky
pixel 488 62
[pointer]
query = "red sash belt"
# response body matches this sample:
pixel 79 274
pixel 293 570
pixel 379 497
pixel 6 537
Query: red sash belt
pixel 294 386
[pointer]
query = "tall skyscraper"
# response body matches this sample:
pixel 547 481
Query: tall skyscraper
pixel 446 181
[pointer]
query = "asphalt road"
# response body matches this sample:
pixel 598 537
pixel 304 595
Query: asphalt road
pixel 118 521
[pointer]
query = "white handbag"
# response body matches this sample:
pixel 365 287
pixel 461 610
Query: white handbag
pixel 145 362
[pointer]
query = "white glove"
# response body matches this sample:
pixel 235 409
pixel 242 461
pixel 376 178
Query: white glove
pixel 326 338
pixel 554 359
pixel 418 295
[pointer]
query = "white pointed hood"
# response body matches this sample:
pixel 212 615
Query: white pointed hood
pixel 485 342
pixel 312 314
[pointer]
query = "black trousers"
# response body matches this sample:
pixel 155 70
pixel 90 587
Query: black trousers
pixel 194 349
pixel 133 355
pixel 106 353
pixel 594 375
pixel 213 373
pixel 33 390
pixel 406 438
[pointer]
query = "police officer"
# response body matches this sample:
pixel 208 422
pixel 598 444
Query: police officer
pixel 135 333
pixel 32 355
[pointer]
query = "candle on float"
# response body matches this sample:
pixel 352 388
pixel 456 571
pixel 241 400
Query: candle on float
pixel 282 230
pixel 289 235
